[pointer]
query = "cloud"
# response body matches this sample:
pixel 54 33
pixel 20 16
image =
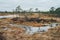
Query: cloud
pixel 26 4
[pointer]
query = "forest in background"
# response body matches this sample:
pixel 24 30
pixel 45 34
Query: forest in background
pixel 19 10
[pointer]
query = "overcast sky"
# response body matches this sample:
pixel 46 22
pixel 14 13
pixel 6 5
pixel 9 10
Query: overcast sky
pixel 26 4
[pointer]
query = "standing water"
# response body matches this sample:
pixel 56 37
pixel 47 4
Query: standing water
pixel 30 29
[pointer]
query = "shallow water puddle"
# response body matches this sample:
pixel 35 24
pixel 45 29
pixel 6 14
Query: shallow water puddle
pixel 9 16
pixel 32 30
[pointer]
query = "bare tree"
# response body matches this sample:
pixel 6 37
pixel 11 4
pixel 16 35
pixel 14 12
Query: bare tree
pixel 52 10
pixel 30 10
pixel 36 9
pixel 18 9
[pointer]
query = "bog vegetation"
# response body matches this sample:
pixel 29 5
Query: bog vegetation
pixel 32 18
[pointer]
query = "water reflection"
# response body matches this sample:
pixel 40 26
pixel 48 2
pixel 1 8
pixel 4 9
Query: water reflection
pixel 32 30
pixel 9 16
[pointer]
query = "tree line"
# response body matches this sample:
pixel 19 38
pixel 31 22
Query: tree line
pixel 55 11
pixel 52 10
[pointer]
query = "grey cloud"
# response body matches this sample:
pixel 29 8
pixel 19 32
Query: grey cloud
pixel 26 4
